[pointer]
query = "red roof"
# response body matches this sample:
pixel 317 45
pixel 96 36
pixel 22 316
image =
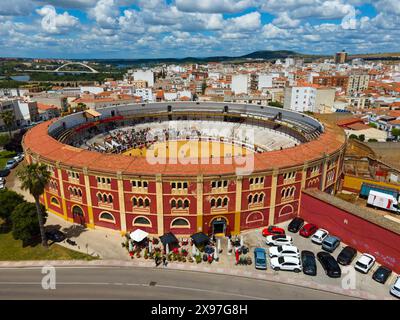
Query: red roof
pixel 37 141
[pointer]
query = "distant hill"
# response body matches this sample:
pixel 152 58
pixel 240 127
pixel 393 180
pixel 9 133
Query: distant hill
pixel 263 55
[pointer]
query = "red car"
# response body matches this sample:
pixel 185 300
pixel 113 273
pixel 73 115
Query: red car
pixel 272 230
pixel 308 230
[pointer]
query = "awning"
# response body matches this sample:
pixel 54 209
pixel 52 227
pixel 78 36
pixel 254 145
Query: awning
pixel 168 238
pixel 200 238
pixel 91 113
pixel 138 235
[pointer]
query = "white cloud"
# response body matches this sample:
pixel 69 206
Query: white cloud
pixel 247 22
pixel 214 6
pixel 106 13
pixel 56 23
pixel 284 21
pixel 270 31
pixel 15 7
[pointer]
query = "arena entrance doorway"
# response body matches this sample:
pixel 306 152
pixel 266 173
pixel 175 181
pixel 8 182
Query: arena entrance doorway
pixel 78 215
pixel 219 227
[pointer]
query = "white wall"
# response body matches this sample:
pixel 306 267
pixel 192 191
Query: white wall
pixel 240 83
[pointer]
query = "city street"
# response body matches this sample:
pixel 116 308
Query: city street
pixel 140 283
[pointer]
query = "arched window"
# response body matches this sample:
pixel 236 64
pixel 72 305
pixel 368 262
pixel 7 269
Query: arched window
pixel 104 198
pixel 212 203
pixel 255 199
pixel 180 204
pixel 179 184
pixel 250 199
pixel 225 203
pixel 219 202
pixel 145 184
pixel 185 185
pixel 173 203
pixel 80 192
pixel 107 216
pixel 55 201
pixel 261 197
pixel 283 193
pixel 179 222
pixel 146 202
pixel 173 185
pixel 99 197
pixel 140 202
pixel 110 198
pixel 251 181
pixel 135 202
pixel 141 221
pixel 186 204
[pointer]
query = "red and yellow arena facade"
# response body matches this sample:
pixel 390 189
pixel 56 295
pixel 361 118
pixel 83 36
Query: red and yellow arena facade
pixel 123 193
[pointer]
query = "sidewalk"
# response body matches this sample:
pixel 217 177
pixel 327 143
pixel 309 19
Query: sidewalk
pixel 192 267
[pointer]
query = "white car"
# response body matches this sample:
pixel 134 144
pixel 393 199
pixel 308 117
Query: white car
pixel 365 263
pixel 284 251
pixel 278 240
pixel 319 236
pixel 395 288
pixel 286 263
pixel 19 157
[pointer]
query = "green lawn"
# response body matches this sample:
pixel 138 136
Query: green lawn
pixel 12 250
pixel 4 157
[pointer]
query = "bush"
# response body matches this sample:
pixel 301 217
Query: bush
pixel 9 200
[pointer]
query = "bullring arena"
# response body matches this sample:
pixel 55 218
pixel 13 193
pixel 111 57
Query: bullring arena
pixel 184 167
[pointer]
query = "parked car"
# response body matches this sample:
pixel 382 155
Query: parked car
pixel 308 230
pixel 272 230
pixel 330 243
pixel 395 288
pixel 365 263
pixel 346 256
pixel 260 258
pixel 286 263
pixel 4 173
pixel 278 240
pixel 55 235
pixel 19 157
pixel 11 164
pixel 331 267
pixel 319 236
pixel 295 225
pixel 309 263
pixel 286 250
pixel 381 274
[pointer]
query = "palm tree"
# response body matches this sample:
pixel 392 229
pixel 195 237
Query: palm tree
pixel 34 178
pixel 8 119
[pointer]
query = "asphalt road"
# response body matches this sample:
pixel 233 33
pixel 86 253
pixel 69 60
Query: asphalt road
pixel 142 283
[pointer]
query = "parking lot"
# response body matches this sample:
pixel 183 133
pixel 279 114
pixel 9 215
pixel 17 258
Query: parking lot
pixel 363 282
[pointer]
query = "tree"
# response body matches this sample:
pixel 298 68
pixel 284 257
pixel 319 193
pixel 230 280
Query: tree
pixel 372 140
pixel 8 119
pixel 275 104
pixel 4 139
pixel 372 125
pixel 9 200
pixel 25 222
pixel 396 133
pixel 353 136
pixel 34 178
pixel 361 137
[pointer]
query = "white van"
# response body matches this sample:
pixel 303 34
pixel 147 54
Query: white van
pixel 383 201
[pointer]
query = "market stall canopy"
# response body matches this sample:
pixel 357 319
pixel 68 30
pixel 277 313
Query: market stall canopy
pixel 200 238
pixel 138 235
pixel 168 238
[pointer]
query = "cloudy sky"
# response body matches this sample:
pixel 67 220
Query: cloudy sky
pixel 179 28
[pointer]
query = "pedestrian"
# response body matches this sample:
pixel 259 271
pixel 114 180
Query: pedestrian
pixel 165 263
pixel 157 260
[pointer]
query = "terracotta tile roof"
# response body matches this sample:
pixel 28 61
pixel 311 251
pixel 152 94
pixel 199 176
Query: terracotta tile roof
pixel 37 141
